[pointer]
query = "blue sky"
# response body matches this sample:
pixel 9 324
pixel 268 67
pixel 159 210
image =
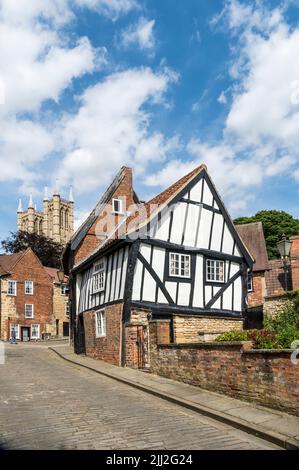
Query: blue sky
pixel 89 85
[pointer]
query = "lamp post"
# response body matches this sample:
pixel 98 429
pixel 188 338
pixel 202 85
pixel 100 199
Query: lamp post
pixel 60 275
pixel 284 248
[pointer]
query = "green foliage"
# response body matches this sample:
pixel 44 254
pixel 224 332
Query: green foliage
pixel 279 332
pixel 47 250
pixel 232 336
pixel 275 224
pixel 264 339
pixel 286 324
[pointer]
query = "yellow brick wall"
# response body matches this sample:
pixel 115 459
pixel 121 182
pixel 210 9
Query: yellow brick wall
pixel 59 310
pixel 8 309
pixel 187 328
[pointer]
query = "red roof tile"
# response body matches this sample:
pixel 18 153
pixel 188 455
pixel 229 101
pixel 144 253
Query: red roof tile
pixel 252 235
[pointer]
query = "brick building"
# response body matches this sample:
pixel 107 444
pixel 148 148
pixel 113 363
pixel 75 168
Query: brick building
pixel 27 298
pixel 252 235
pixel 176 257
pixel 61 314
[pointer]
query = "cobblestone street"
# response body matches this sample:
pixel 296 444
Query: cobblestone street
pixel 46 403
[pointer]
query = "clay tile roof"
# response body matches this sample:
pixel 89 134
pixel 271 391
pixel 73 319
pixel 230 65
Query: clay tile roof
pixel 253 237
pixel 8 262
pixel 275 278
pixel 175 187
pixel 135 221
pixel 53 274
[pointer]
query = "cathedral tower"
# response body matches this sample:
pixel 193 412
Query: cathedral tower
pixel 55 221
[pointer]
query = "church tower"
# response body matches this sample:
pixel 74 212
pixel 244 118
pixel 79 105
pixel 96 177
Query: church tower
pixel 55 221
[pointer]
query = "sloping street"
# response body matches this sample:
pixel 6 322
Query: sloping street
pixel 46 403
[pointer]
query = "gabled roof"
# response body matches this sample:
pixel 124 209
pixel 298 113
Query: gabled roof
pixel 8 262
pixel 252 235
pixel 83 229
pixel 153 207
pixel 53 274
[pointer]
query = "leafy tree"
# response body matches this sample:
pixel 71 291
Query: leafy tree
pixel 47 250
pixel 275 224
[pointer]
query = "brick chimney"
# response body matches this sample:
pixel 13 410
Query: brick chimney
pixel 295 261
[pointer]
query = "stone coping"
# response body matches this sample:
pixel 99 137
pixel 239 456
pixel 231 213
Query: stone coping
pixel 204 344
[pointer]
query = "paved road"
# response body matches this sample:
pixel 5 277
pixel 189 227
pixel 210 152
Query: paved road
pixel 46 403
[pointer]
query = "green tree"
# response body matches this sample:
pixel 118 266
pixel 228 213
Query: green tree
pixel 275 224
pixel 47 250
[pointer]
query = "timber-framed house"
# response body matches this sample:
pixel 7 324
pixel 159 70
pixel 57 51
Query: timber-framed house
pixel 177 257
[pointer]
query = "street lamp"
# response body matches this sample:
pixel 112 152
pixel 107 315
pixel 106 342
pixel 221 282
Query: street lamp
pixel 284 248
pixel 60 275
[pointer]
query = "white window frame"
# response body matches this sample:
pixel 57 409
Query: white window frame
pixel 31 283
pixel 181 257
pixel 99 276
pixel 14 283
pixel 67 310
pixel 214 278
pixel 38 330
pixel 100 325
pixel 250 282
pixel 64 289
pixel 26 316
pixel 17 330
pixel 120 202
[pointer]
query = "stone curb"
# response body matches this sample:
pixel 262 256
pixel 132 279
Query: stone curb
pixel 281 440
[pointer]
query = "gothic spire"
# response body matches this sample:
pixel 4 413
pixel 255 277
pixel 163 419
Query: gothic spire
pixel 56 190
pixel 46 197
pixel 30 205
pixel 20 208
pixel 71 196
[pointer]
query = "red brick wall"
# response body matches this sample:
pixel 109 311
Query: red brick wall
pixel 91 241
pixel 30 269
pixel 265 377
pixel 257 296
pixel 107 348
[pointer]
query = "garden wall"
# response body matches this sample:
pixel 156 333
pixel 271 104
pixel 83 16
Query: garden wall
pixel 267 377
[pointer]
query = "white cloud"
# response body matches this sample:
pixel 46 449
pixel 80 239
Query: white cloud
pixel 141 33
pixel 37 64
pixel 261 132
pixel 110 8
pixel 222 98
pixel 111 128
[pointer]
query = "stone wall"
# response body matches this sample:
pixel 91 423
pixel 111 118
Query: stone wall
pixel 190 329
pixel 274 304
pixel 107 348
pixel 59 310
pixel 267 377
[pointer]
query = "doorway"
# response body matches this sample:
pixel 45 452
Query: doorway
pixel 66 328
pixel 25 333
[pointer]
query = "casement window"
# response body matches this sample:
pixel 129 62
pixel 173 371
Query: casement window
pixel 64 289
pixel 179 265
pixel 67 310
pixel 117 206
pixel 12 288
pixel 215 270
pixel 29 311
pixel 29 287
pixel 100 319
pixel 35 331
pixel 250 283
pixel 16 328
pixel 98 278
